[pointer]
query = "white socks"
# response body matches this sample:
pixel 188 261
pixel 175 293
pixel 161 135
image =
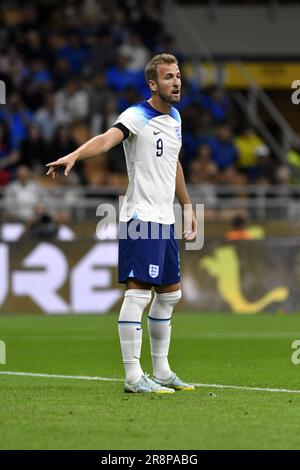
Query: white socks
pixel 130 331
pixel 159 326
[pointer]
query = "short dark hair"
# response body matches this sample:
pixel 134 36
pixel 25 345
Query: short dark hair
pixel 151 67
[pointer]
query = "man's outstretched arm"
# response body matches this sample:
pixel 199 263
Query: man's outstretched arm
pixel 92 148
pixel 190 223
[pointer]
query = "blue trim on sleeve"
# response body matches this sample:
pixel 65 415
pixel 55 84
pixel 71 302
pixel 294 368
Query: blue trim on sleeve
pixel 145 111
pixel 175 115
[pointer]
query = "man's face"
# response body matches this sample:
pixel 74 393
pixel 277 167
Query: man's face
pixel 168 83
pixel 23 174
pixel 224 133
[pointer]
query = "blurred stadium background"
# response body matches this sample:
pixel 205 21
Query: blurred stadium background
pixel 67 69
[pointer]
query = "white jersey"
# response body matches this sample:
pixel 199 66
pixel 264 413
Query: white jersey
pixel 151 152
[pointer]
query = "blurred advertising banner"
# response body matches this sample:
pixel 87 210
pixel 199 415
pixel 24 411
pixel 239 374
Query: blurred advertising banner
pixel 244 277
pixel 269 75
pixel 74 277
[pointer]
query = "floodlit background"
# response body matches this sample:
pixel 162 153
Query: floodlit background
pixel 67 69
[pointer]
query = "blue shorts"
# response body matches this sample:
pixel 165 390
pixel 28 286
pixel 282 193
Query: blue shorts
pixel 152 257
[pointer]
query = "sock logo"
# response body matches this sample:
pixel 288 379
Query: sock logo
pixel 153 270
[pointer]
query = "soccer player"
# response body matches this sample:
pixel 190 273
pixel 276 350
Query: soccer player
pixel 151 135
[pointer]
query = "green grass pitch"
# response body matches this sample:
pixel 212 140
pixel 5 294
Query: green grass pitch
pixel 61 413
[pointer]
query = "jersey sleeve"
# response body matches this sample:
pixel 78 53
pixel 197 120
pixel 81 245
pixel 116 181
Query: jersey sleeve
pixel 132 120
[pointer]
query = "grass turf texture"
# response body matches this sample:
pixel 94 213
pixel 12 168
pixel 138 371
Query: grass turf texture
pixel 52 413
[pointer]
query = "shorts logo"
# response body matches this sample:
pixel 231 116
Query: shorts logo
pixel 153 270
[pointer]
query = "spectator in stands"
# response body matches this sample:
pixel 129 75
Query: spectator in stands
pixel 283 175
pixel 9 155
pixel 61 73
pixel 33 150
pixel 100 122
pixel 224 155
pixel 72 101
pixel 202 168
pixel 39 74
pixel 22 195
pixel 127 98
pixel 95 171
pixel 13 68
pixel 30 17
pixel 266 171
pixel 224 151
pixel 120 77
pixel 55 43
pixel 238 230
pixel 137 53
pixel 93 10
pixel 75 52
pixel 149 24
pixel 42 226
pixel 62 143
pixel 119 25
pixel 217 103
pixel 99 93
pixel 192 141
pixel 66 196
pixel 30 46
pixel 103 53
pixel 293 160
pixel 17 117
pixel 251 149
pixel 49 117
pixel 165 45
pixel 207 123
pixel 45 225
pixel 116 164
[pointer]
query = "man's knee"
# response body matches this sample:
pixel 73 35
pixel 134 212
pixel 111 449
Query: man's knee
pixel 170 298
pixel 163 305
pixel 134 303
pixel 138 296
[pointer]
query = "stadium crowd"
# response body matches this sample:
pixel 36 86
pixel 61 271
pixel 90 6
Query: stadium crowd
pixel 71 67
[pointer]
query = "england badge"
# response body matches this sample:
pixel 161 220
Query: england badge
pixel 153 270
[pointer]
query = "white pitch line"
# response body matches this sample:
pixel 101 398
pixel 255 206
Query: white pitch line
pixel 57 376
pixel 108 379
pixel 203 335
pixel 250 389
